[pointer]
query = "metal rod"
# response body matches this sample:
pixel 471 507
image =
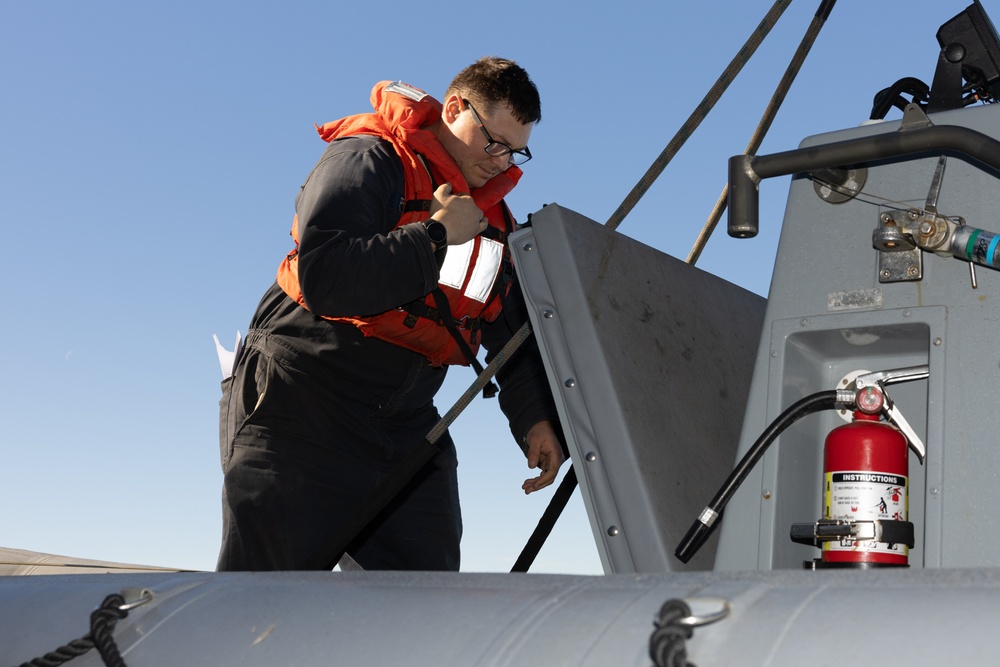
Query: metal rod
pixel 746 171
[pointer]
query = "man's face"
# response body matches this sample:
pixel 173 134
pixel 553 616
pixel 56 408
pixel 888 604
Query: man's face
pixel 466 142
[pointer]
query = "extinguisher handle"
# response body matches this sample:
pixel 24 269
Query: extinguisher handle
pixel 896 418
pixel 891 413
pixel 882 378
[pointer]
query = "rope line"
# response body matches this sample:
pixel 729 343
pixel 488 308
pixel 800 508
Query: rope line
pixel 699 114
pixel 546 523
pixel 505 353
pixel 667 644
pixel 792 71
pixel 102 625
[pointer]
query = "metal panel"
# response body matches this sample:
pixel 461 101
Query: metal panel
pixel 830 313
pixel 650 359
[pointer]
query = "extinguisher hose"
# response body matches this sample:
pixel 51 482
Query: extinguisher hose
pixel 703 526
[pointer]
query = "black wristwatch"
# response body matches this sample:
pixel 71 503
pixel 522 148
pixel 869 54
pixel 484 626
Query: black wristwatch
pixel 436 232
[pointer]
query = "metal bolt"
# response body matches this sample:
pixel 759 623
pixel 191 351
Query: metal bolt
pixel 913 213
pixel 937 341
pixel 911 270
pixel 548 314
pixel 767 494
pixel 612 531
pixel 884 273
pixel 570 382
pixel 528 247
pixel 591 456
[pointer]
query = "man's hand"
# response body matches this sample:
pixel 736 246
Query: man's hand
pixel 545 453
pixel 458 213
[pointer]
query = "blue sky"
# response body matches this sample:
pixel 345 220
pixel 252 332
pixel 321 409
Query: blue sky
pixel 149 158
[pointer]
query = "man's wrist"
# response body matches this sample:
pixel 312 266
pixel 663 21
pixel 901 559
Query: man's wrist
pixel 436 232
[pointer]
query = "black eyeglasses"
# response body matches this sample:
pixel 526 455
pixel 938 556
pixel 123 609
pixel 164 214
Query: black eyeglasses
pixel 496 148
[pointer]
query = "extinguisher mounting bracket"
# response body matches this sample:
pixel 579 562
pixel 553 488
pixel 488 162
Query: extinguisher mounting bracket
pixel 830 530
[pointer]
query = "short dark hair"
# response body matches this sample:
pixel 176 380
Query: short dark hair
pixel 491 81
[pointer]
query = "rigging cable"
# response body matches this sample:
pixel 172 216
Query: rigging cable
pixel 699 114
pixel 822 13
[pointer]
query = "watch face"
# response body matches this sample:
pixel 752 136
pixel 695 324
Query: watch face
pixel 437 233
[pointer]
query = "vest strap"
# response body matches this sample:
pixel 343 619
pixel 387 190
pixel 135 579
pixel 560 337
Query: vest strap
pixel 410 205
pixel 490 390
pixel 419 308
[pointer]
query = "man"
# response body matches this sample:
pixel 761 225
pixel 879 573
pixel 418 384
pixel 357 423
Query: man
pixel 400 268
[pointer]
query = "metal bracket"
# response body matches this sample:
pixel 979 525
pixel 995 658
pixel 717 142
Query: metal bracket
pixel 698 620
pixel 832 530
pixel 836 186
pixel 899 260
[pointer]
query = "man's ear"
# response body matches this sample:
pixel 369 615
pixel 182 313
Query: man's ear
pixel 453 106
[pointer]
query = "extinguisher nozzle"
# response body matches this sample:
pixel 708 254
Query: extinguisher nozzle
pixel 693 540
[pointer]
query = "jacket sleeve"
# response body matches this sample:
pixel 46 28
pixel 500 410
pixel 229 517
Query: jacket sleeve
pixel 525 397
pixel 352 258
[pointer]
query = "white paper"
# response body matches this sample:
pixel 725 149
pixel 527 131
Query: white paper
pixel 227 358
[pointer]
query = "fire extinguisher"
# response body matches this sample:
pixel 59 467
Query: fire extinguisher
pixel 865 486
pixel 865 477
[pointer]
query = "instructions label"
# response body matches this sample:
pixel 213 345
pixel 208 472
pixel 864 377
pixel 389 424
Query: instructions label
pixel 865 496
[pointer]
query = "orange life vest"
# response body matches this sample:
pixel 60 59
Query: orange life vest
pixel 471 275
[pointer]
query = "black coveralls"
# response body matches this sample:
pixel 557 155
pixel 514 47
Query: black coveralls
pixel 316 415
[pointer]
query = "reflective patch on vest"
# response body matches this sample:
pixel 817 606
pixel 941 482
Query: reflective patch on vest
pixel 456 264
pixel 483 274
pixel 406 90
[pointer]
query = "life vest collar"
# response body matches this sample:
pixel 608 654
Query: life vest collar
pixel 406 113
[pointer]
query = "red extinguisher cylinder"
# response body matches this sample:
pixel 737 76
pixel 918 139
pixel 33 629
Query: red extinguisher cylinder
pixel 865 470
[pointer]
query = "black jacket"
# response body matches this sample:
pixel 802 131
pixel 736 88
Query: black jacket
pixel 354 261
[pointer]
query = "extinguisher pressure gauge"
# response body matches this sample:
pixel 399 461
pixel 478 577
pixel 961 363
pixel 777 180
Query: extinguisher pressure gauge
pixel 870 400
